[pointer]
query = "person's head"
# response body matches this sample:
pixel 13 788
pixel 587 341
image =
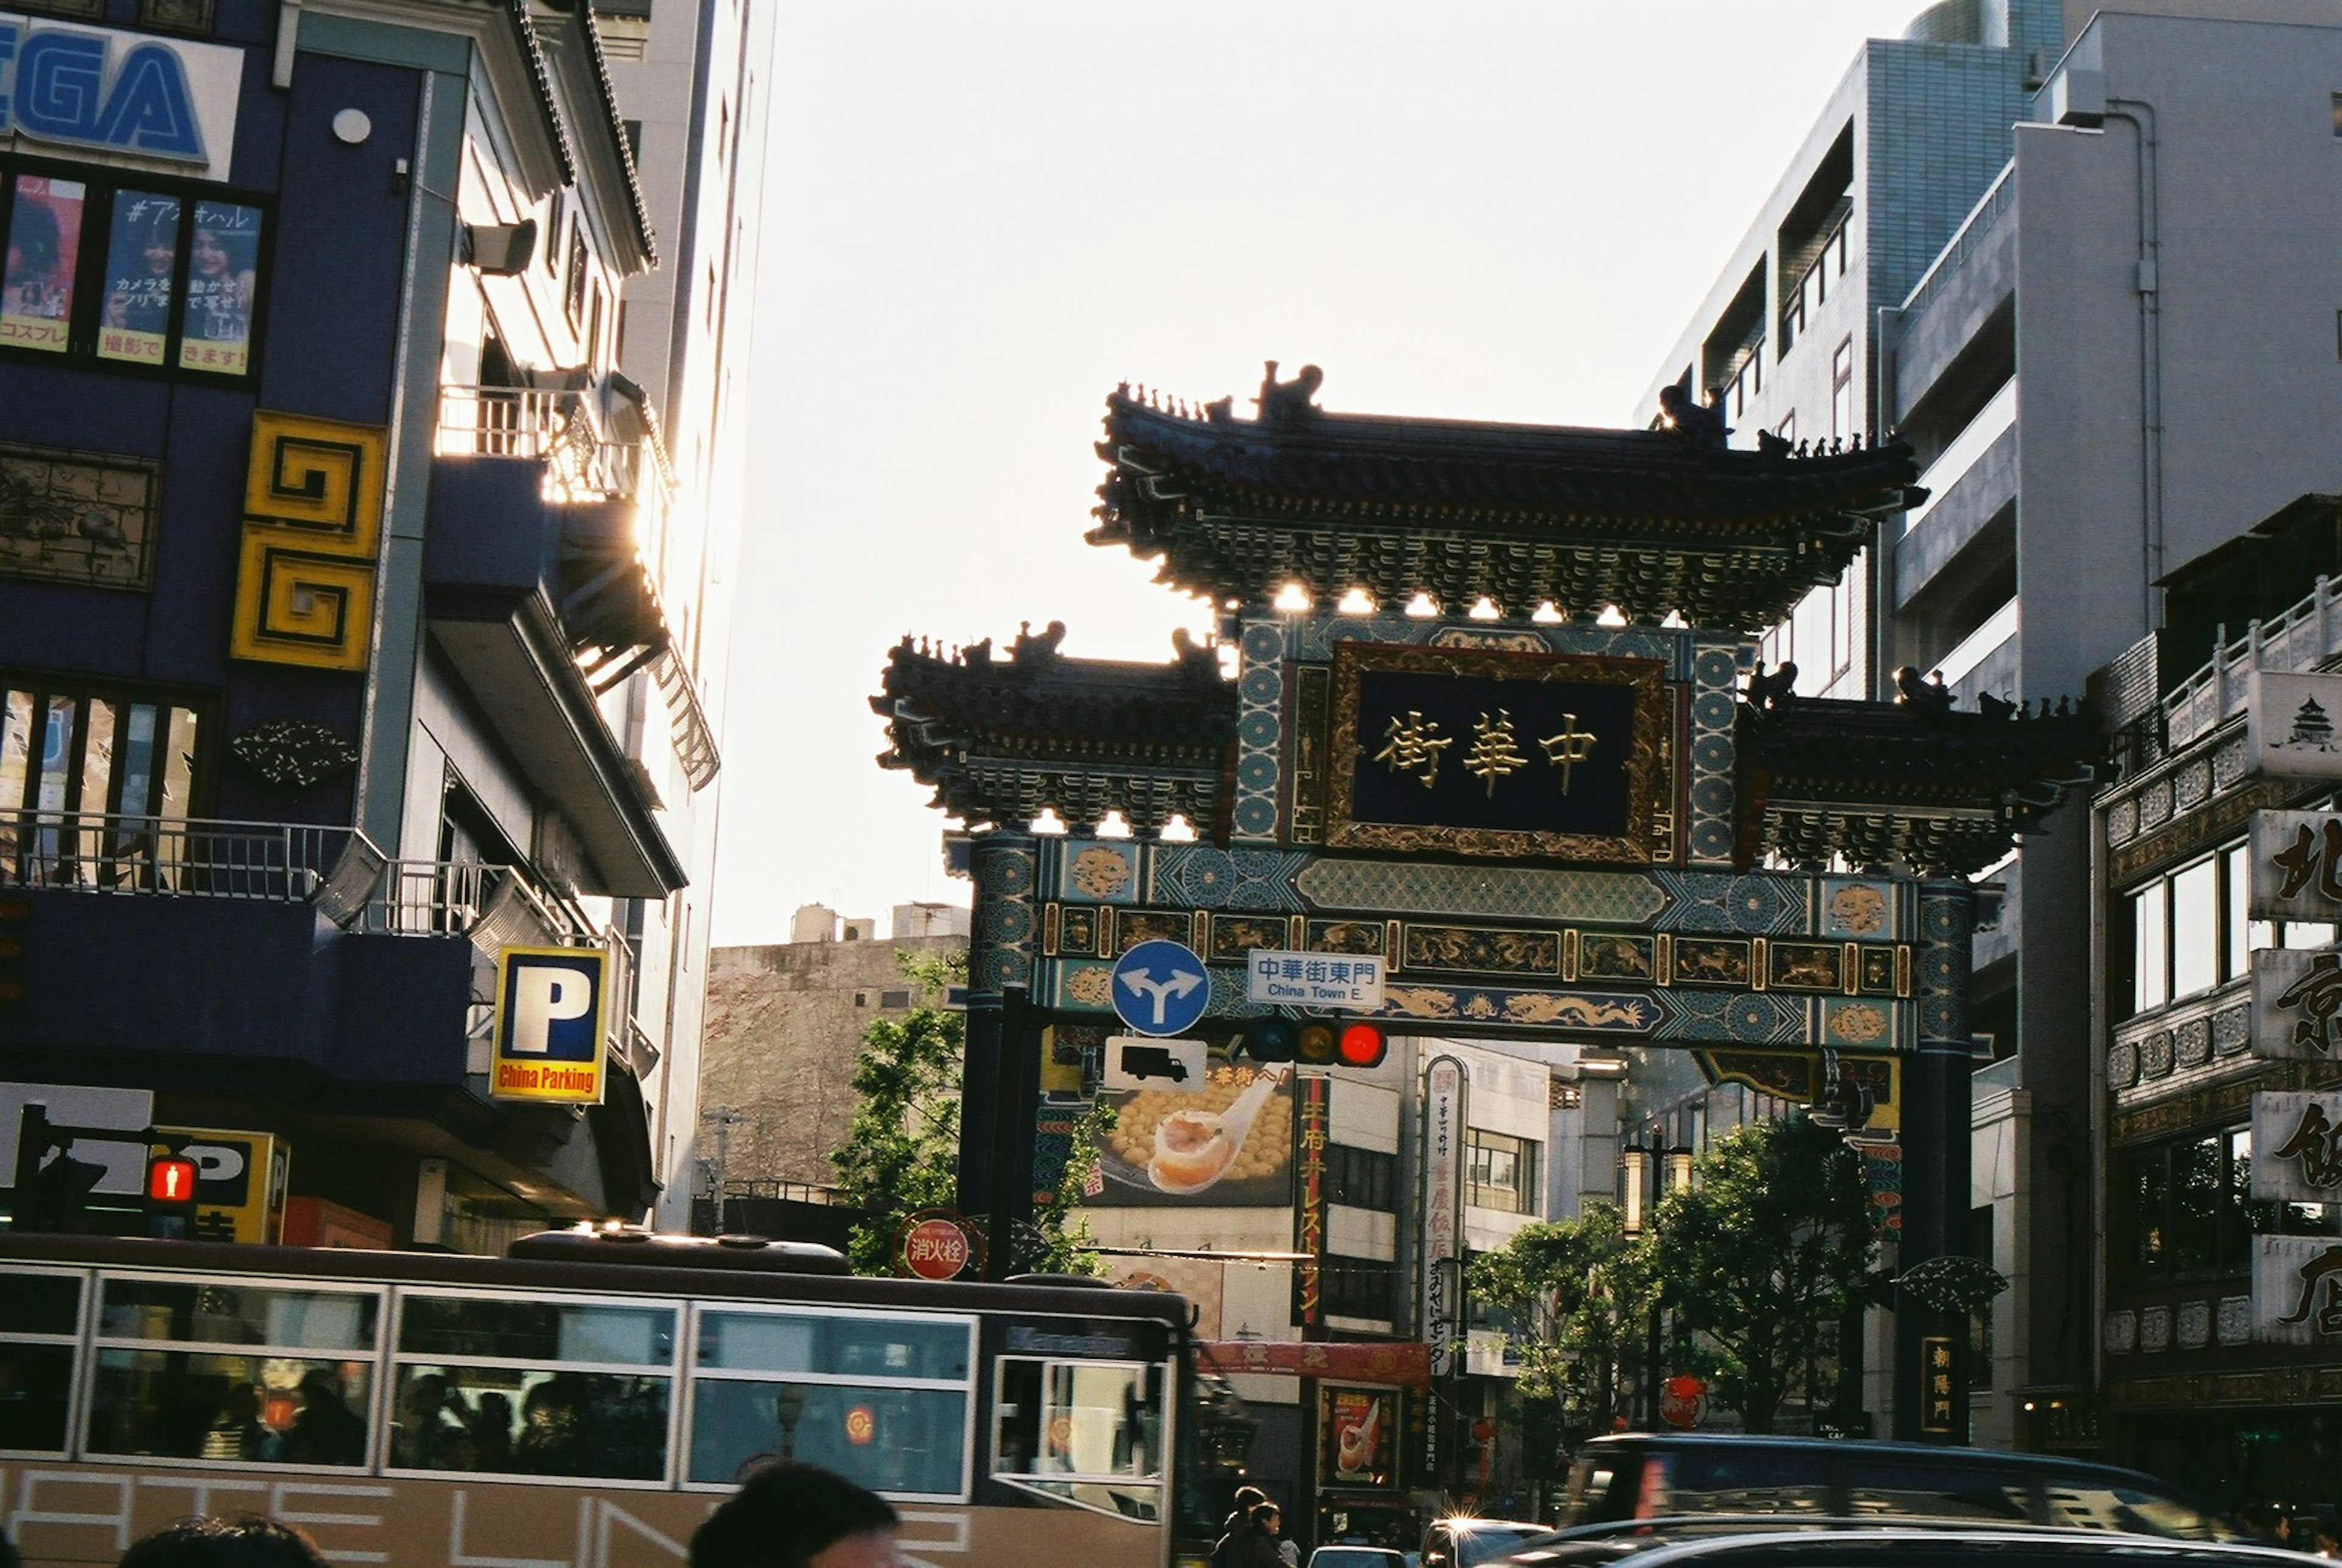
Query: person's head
pixel 320 1388
pixel 1249 1498
pixel 209 252
pixel 1268 1516
pixel 33 238
pixel 791 1515
pixel 247 1540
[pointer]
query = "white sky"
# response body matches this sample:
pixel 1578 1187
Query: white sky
pixel 982 216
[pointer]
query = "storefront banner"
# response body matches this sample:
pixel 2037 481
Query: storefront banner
pixel 1404 1361
pixel 2296 996
pixel 2296 1139
pixel 2289 724
pixel 2297 1291
pixel 1357 1436
pixel 1225 1141
pixel 1443 1209
pixel 2296 866
pixel 99 95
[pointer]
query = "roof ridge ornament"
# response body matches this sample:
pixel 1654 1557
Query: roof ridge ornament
pixel 1284 403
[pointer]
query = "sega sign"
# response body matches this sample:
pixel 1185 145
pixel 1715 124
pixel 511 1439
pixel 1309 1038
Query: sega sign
pixel 550 1043
pixel 118 98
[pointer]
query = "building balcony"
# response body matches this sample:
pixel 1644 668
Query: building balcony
pixel 1985 660
pixel 1972 284
pixel 1971 499
pixel 541 586
pixel 302 963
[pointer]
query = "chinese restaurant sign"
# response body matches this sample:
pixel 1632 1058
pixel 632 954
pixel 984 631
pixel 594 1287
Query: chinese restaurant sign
pixel 110 96
pixel 2289 724
pixel 1479 752
pixel 1939 1368
pixel 1443 1205
pixel 2296 998
pixel 2298 1147
pixel 2296 866
pixel 2298 1290
pixel 1309 1214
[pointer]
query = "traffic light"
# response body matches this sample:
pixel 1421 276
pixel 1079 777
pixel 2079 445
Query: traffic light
pixel 1360 1043
pixel 1316 1042
pixel 56 1196
pixel 15 915
pixel 1270 1038
pixel 170 1197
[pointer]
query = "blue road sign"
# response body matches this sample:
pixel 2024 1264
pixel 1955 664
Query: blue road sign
pixel 1160 988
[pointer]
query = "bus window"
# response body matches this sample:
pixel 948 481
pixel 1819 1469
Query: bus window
pixel 40 1318
pixel 521 1385
pixel 228 1370
pixel 881 1399
pixel 1089 1432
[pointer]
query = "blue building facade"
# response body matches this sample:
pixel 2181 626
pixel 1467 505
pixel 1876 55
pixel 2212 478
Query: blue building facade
pixel 341 574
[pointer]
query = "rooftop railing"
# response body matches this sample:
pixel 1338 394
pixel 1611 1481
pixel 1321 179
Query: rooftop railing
pixel 2301 638
pixel 1974 230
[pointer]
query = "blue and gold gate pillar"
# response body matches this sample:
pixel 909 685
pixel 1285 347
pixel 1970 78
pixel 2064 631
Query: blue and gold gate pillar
pixel 1931 1346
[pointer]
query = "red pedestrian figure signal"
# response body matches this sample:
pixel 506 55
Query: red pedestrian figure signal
pixel 170 1197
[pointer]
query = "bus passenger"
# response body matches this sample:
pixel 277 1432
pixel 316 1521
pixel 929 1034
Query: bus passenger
pixel 792 1515
pixel 247 1540
pixel 326 1431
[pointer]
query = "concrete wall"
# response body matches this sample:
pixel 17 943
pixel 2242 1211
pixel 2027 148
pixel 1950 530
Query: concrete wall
pixel 784 1025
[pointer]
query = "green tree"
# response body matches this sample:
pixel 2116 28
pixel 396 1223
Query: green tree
pixel 1578 1293
pixel 1762 1253
pixel 902 1150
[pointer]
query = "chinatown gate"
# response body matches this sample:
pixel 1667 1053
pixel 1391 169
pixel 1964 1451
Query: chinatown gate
pixel 1563 822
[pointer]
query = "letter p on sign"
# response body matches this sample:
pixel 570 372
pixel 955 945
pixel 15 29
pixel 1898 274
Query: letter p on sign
pixel 549 1003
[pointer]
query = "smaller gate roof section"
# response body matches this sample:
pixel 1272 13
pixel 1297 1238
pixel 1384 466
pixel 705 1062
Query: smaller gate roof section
pixel 1651 521
pixel 1000 739
pixel 1914 784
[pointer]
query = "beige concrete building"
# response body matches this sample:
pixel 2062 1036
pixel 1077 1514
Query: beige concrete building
pixel 785 1023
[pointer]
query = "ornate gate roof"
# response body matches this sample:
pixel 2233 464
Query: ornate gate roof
pixel 1652 521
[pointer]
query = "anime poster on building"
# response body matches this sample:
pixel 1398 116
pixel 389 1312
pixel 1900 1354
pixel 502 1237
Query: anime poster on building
pixel 44 249
pixel 1227 1143
pixel 222 274
pixel 142 262
pixel 1357 1436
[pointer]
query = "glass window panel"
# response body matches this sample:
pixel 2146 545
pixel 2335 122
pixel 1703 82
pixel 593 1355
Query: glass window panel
pixel 530 1421
pixel 37 288
pixel 225 1313
pixel 138 759
pixel 40 1303
pixel 142 264
pixel 223 277
pixel 2235 926
pixel 2150 957
pixel 536 1330
pixel 833 1346
pixel 2308 936
pixel 2198 1192
pixel 2149 1193
pixel 15 730
pixel 35 1390
pixel 177 1405
pixel 2196 929
pixel 892 1440
pixel 2236 1223
pixel 178 767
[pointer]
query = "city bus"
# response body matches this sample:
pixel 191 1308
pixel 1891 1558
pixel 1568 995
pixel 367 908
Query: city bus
pixel 583 1403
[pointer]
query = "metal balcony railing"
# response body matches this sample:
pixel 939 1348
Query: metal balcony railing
pixel 2302 638
pixel 101 852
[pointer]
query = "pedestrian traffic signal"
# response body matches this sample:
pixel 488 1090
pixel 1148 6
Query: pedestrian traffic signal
pixel 171 1197
pixel 15 915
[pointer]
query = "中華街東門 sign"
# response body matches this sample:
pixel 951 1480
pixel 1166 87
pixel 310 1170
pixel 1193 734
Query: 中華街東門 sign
pixel 98 95
pixel 550 1043
pixel 1472 752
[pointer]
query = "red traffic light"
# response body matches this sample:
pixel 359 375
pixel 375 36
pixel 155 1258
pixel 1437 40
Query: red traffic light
pixel 171 1179
pixel 1361 1045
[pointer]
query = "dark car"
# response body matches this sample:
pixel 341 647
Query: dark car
pixel 1710 1542
pixel 1646 1475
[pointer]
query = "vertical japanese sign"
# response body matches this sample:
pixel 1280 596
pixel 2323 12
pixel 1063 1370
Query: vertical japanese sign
pixel 1309 1214
pixel 2296 866
pixel 2298 1147
pixel 2297 1291
pixel 1940 1363
pixel 1444 1086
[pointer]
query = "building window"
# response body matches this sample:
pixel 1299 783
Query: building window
pixel 1501 1171
pixel 129 274
pixel 1361 1178
pixel 96 786
pixel 2190 930
pixel 1359 1287
pixel 1842 390
pixel 177 16
pixel 573 289
pixel 2185 1208
pixel 893 999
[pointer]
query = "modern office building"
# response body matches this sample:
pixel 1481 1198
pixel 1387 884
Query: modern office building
pixel 355 611
pixel 2117 360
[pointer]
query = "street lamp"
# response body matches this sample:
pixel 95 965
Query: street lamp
pixel 1633 1175
pixel 1679 1169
